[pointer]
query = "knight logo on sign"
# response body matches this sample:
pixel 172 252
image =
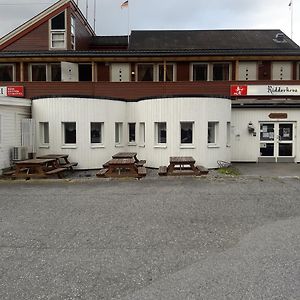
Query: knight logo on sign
pixel 239 90
pixel 12 91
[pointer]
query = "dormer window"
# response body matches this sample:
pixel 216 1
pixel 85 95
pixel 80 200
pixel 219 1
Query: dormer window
pixel 58 31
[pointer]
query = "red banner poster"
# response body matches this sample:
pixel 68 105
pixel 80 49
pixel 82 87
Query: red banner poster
pixel 15 91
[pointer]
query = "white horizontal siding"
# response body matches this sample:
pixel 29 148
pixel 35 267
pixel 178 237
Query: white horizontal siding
pixel 171 110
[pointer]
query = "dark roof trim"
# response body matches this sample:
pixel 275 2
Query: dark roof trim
pixel 132 100
pixel 125 53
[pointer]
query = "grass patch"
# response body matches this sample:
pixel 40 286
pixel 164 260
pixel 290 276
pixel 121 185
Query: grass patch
pixel 229 171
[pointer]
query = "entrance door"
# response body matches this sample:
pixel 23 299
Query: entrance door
pixel 277 142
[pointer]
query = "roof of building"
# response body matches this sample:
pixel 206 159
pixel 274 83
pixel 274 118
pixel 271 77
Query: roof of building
pixel 102 41
pixel 210 39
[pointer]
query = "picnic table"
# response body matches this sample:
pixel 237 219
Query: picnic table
pixel 61 160
pixel 37 168
pixel 122 167
pixel 182 165
pixel 127 155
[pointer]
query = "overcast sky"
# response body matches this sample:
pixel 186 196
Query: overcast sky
pixel 167 14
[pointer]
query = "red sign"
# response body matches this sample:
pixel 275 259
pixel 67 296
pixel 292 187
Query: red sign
pixel 15 91
pixel 238 90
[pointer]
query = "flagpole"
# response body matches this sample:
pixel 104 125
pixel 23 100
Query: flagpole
pixel 128 23
pixel 292 18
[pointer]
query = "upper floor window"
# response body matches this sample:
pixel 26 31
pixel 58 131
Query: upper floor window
pixel 58 31
pixel 145 72
pixel 166 72
pixel 72 33
pixel 45 72
pixel 6 72
pixel 85 72
pixel 220 71
pixel 200 72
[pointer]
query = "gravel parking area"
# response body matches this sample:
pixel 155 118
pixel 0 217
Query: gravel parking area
pixel 155 238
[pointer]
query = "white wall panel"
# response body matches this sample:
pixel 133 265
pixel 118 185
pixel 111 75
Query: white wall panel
pixel 169 110
pixel 11 114
pixel 247 70
pixel 245 146
pixel 282 70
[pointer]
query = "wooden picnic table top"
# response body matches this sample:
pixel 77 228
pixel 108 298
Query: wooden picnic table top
pixel 182 159
pixel 125 155
pixel 35 161
pixel 121 161
pixel 55 156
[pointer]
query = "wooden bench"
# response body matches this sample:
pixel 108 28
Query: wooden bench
pixel 162 171
pixel 142 171
pixel 102 172
pixel 70 165
pixel 140 163
pixel 202 170
pixel 56 171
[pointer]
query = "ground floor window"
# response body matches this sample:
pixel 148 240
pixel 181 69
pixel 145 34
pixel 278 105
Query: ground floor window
pixel 131 133
pixel 97 132
pixel 44 133
pixel 142 134
pixel 228 134
pixel 6 72
pixel 160 132
pixel 118 132
pixel 212 133
pixel 69 132
pixel 186 132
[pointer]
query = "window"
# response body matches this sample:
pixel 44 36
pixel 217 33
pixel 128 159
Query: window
pixel 186 132
pixel 85 72
pixel 0 129
pixel 160 132
pixel 44 133
pixel 38 72
pixel 131 132
pixel 220 71
pixel 145 72
pixel 72 33
pixel 55 72
pixel 169 73
pixel 228 135
pixel 69 132
pixel 97 132
pixel 58 31
pixel 142 134
pixel 200 72
pixel 6 72
pixel 118 133
pixel 212 133
pixel 298 70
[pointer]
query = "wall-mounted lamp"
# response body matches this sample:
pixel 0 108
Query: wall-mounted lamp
pixel 251 128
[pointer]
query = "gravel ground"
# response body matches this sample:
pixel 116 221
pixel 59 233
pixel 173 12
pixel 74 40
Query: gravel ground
pixel 155 238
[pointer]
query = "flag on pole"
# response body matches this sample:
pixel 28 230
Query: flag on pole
pixel 124 4
pixel 290 4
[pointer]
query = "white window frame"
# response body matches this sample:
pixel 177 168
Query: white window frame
pixel 131 142
pixel 119 130
pixel 55 31
pixel 68 145
pixel 210 71
pixel 142 132
pixel 44 144
pixel 187 145
pixel 13 68
pixel 156 134
pixel 216 125
pixel 101 143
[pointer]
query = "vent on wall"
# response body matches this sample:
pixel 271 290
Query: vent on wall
pixel 279 38
pixel 19 153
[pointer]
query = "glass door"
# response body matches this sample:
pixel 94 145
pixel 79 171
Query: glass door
pixel 277 142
